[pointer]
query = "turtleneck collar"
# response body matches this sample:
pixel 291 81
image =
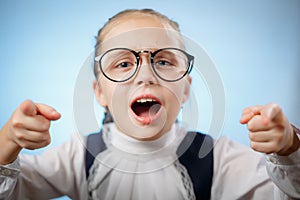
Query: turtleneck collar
pixel 134 146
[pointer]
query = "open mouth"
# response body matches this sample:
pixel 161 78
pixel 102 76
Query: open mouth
pixel 146 109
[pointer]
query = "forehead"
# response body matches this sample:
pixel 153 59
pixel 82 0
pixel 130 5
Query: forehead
pixel 140 32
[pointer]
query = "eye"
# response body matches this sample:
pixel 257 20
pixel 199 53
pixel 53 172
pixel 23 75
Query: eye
pixel 162 63
pixel 125 65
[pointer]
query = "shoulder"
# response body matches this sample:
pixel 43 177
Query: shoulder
pixel 231 153
pixel 227 145
pixel 196 144
pixel 197 139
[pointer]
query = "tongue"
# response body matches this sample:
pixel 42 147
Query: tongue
pixel 145 110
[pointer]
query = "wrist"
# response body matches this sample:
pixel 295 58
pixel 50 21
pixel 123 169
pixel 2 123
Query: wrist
pixel 295 142
pixel 9 150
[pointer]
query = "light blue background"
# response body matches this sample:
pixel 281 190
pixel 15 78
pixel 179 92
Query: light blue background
pixel 254 44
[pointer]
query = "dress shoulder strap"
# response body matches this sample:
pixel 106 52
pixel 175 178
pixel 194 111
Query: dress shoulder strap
pixel 197 157
pixel 94 146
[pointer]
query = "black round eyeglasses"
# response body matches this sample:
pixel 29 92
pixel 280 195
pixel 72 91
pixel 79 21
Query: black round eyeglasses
pixel 121 64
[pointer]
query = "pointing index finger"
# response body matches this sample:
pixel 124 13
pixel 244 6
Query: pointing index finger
pixel 30 108
pixel 47 111
pixel 249 112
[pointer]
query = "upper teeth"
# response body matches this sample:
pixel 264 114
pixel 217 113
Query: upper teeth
pixel 145 100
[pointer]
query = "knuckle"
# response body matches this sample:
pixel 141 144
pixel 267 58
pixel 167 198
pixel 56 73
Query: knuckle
pixel 252 136
pixel 45 125
pixel 16 123
pixel 254 124
pixel 251 126
pixel 45 138
pixel 20 136
pixel 254 146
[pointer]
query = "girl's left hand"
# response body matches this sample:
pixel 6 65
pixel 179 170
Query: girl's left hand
pixel 269 130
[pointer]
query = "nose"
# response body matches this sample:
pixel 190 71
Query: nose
pixel 145 74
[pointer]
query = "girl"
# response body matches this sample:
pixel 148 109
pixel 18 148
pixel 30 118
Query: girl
pixel 142 79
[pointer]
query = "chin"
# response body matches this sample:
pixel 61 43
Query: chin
pixel 144 131
pixel 141 131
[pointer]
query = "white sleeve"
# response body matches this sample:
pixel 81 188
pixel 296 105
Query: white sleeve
pixel 239 173
pixel 8 178
pixel 57 172
pixel 285 173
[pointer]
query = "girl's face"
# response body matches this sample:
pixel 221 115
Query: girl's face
pixel 144 107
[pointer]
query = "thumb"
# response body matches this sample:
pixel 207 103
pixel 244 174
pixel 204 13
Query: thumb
pixel 272 112
pixel 30 108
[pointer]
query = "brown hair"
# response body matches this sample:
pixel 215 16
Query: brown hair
pixel 148 12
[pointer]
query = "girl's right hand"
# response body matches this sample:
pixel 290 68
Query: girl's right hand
pixel 27 128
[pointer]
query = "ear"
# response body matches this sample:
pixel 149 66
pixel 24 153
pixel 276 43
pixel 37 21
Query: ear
pixel 187 86
pixel 99 94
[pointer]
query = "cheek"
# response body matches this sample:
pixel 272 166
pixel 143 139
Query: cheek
pixel 174 97
pixel 175 93
pixel 117 100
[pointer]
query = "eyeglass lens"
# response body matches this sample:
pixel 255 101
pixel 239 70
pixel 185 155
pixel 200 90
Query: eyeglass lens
pixel 121 64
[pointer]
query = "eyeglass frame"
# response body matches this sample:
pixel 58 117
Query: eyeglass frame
pixel 152 54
